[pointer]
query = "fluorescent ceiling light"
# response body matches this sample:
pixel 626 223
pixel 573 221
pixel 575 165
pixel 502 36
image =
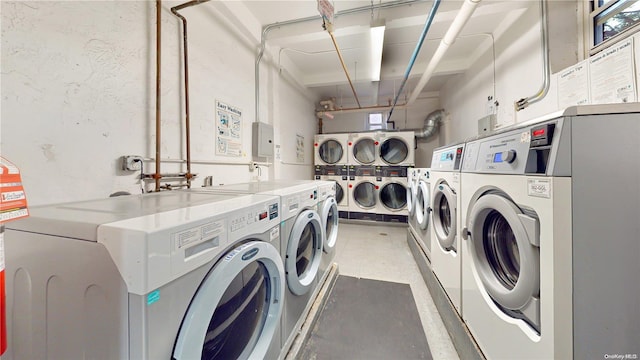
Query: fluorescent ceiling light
pixel 377 39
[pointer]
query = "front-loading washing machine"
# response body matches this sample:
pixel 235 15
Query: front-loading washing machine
pixel 397 148
pixel 550 252
pixel 328 210
pixel 170 275
pixel 340 175
pixel 392 195
pixel 331 149
pixel 445 234
pixel 422 214
pixel 364 148
pixel 363 193
pixel 302 239
pixel 412 189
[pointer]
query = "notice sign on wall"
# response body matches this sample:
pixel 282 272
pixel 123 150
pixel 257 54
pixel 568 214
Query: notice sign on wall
pixel 228 130
pixel 612 75
pixel 13 201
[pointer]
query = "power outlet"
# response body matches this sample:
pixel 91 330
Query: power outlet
pixel 132 162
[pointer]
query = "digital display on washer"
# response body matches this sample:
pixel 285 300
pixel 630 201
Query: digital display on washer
pixel 446 156
pixel 497 157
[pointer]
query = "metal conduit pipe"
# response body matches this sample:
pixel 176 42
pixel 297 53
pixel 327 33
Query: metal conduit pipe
pixel 468 7
pixel 158 93
pixel 431 124
pixel 414 56
pixel 174 10
pixel 267 28
pixel 344 66
pixel 544 89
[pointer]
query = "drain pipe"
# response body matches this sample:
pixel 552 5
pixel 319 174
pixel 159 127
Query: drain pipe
pixel 414 56
pixel 174 10
pixel 157 175
pixel 267 28
pixel 468 7
pixel 544 89
pixel 431 124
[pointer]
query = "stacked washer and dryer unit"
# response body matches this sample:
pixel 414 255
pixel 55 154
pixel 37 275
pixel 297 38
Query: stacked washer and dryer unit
pixel 170 275
pixel 374 171
pixel 550 221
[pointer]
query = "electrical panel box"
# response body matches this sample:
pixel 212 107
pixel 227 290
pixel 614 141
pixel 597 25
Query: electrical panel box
pixel 487 125
pixel 262 139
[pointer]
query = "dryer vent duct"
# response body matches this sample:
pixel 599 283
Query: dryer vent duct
pixel 431 124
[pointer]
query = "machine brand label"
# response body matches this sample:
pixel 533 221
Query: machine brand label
pixel 539 188
pixel 250 254
pixel 310 215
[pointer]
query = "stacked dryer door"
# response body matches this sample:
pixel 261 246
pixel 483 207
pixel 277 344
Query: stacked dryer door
pixel 364 149
pixel 445 235
pixel 397 148
pixel 392 195
pixel 331 149
pixel 422 213
pixel 158 276
pixel 340 175
pixel 364 193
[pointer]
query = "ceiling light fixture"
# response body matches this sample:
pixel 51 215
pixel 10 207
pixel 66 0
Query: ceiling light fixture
pixel 377 40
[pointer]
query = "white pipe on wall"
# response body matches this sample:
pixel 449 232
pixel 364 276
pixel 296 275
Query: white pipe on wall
pixel 468 7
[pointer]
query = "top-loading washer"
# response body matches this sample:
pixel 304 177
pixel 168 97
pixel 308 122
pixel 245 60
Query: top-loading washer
pixel 445 202
pixel 328 210
pixel 392 195
pixel 550 256
pixel 397 148
pixel 330 149
pixel 340 175
pixel 302 239
pixel 364 148
pixel 422 213
pixel 154 276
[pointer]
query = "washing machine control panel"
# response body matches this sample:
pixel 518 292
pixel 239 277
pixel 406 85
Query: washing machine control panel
pixel 448 159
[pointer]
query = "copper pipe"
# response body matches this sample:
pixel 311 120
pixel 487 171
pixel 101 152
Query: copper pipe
pixel 185 49
pixel 346 72
pixel 158 77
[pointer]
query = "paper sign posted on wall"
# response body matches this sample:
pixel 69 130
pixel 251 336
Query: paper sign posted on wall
pixel 228 130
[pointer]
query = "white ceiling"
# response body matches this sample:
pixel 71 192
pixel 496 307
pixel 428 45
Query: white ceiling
pixel 306 51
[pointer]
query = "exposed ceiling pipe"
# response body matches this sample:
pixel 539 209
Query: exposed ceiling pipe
pixel 431 124
pixel 329 28
pixel 468 7
pixel 185 47
pixel 157 175
pixel 267 28
pixel 544 89
pixel 414 56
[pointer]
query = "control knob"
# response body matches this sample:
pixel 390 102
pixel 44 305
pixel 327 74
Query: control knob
pixel 509 156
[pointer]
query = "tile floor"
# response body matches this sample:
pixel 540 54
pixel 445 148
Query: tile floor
pixel 381 252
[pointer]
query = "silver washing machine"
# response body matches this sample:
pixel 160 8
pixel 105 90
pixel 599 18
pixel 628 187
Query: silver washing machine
pixel 339 174
pixel 155 276
pixel 328 210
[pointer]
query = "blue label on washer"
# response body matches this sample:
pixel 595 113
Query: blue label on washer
pixel 153 297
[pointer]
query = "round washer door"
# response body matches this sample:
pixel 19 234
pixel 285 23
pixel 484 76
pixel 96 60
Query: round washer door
pixel 235 312
pixel 412 198
pixel 329 216
pixel 304 251
pixel 394 151
pixel 339 193
pixel 422 205
pixel 503 250
pixel 444 216
pixel 330 151
pixel 364 151
pixel 364 194
pixel 393 196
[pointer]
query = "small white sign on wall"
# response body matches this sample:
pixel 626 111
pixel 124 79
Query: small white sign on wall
pixel 612 75
pixel 228 130
pixel 573 85
pixel 299 148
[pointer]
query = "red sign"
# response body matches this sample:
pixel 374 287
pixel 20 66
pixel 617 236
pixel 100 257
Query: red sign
pixel 13 201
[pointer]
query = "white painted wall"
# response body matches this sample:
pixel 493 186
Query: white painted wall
pixel 78 91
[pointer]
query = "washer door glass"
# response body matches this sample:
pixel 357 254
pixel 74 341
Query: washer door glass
pixel 330 218
pixel 330 151
pixel 304 251
pixel 237 308
pixel 339 193
pixel 422 205
pixel 394 151
pixel 444 216
pixel 364 194
pixel 393 196
pixel 504 250
pixel 364 151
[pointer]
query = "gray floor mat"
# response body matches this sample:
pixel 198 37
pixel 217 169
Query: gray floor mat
pixel 368 319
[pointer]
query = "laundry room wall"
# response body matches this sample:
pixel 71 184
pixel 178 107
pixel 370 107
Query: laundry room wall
pixel 78 92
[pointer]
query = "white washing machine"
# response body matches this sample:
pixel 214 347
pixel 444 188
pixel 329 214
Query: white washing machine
pixel 364 148
pixel 328 210
pixel 397 148
pixel 392 194
pixel 445 234
pixel 170 275
pixel 302 240
pixel 364 193
pixel 340 175
pixel 330 149
pixel 551 251
pixel 412 185
pixel 422 215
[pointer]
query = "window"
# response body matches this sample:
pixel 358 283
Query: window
pixel 614 19
pixel 375 121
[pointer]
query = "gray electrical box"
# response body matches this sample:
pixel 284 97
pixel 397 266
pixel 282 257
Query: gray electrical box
pixel 487 125
pixel 262 139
